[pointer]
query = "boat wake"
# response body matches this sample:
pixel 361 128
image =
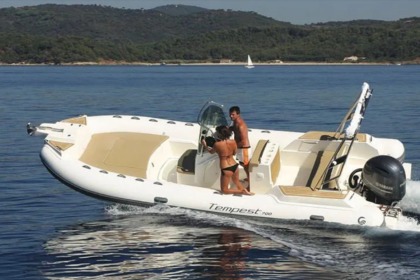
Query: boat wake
pixel 408 222
pixel 411 201
pixel 346 243
pixel 289 235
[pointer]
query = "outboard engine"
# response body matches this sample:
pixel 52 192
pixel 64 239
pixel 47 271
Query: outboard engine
pixel 384 177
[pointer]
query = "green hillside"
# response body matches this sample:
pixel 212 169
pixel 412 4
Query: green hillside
pixel 92 33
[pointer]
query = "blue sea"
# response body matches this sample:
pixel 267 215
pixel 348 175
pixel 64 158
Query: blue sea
pixel 49 231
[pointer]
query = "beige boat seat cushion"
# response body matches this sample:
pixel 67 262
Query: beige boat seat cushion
pixel 125 153
pixel 256 159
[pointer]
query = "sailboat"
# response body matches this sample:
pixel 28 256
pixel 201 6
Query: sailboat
pixel 249 64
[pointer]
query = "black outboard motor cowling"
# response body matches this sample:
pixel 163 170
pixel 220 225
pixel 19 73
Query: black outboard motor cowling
pixel 385 177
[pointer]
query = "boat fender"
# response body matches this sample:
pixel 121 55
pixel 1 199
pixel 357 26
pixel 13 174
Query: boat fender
pixel 316 218
pixel 159 199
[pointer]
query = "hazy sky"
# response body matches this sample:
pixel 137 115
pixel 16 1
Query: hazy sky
pixel 294 11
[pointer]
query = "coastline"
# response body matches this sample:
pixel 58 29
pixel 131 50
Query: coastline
pixel 122 63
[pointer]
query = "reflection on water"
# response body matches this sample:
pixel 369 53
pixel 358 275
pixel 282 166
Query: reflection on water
pixel 149 245
pixel 233 248
pixel 166 243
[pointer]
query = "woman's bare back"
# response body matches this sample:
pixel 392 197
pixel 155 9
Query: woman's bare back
pixel 226 149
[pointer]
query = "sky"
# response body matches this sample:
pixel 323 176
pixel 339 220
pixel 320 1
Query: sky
pixel 293 11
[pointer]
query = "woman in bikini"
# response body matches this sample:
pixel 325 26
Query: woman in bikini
pixel 226 149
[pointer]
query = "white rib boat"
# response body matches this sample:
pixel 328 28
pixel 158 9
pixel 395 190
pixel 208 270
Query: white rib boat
pixel 342 177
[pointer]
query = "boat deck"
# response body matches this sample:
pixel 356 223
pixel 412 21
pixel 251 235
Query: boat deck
pixel 308 192
pixel 122 152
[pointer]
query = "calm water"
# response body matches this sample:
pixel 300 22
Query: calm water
pixel 49 231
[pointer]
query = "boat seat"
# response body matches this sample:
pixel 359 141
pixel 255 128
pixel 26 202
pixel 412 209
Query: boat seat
pixel 264 166
pixel 127 153
pixel 186 163
pixel 256 155
pixel 322 161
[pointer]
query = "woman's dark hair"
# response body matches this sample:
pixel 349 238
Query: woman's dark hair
pixel 224 132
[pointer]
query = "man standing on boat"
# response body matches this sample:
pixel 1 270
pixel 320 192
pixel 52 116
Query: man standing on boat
pixel 240 130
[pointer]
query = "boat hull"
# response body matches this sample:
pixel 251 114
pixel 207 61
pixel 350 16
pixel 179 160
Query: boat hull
pixel 112 187
pixel 317 175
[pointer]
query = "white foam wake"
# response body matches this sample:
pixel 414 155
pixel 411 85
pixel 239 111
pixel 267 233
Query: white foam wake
pixel 411 201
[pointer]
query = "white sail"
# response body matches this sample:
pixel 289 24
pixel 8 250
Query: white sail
pixel 249 63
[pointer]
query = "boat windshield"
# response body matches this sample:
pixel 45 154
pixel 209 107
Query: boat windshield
pixel 212 115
